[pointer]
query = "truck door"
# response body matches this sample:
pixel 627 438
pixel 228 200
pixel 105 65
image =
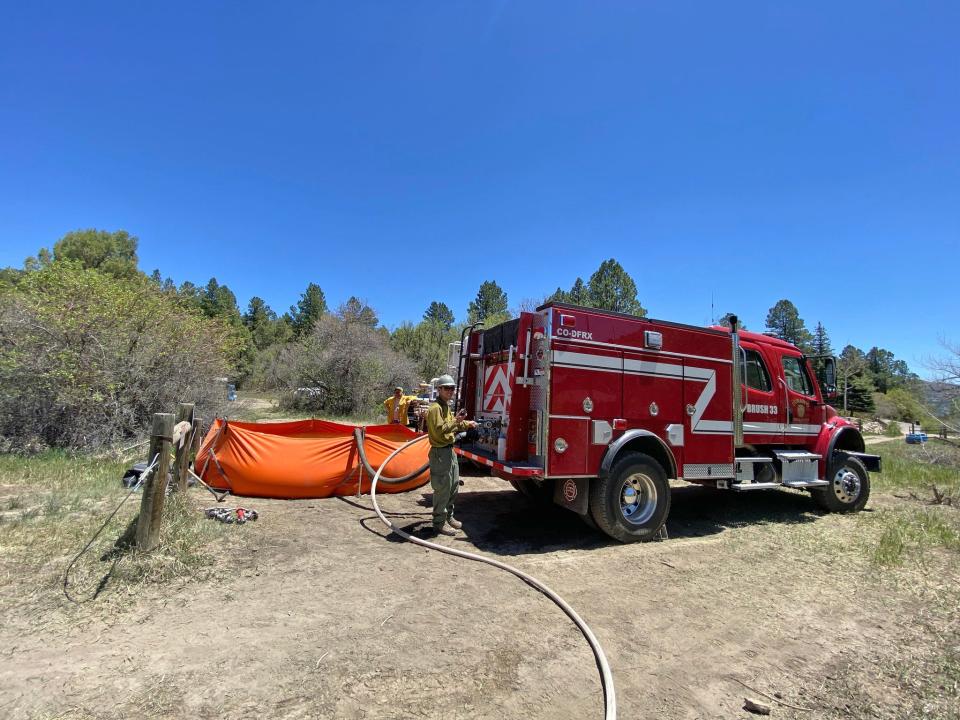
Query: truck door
pixel 763 414
pixel 800 401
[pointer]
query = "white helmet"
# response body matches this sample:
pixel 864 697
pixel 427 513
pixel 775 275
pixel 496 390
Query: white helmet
pixel 445 381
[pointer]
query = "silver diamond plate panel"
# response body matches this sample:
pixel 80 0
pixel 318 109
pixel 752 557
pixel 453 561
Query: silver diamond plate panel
pixel 707 471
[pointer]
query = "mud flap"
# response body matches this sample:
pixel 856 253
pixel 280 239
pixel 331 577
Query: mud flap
pixel 572 494
pixel 870 462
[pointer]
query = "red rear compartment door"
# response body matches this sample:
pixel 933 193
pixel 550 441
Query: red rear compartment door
pixel 567 454
pixel 586 385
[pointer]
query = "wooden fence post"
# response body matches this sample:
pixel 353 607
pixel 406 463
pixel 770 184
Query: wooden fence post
pixel 151 504
pixel 184 414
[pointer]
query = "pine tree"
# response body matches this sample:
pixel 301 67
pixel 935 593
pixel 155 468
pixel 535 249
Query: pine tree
pixel 725 321
pixel 490 304
pixel 356 311
pixel 218 300
pixel 821 341
pixel 438 312
pixel 784 322
pixel 310 308
pixel 559 295
pixel 612 288
pixel 578 294
pixel 859 394
pixel 265 327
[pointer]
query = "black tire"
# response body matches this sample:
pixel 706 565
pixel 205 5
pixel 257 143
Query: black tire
pixel 588 520
pixel 538 493
pixel 845 493
pixel 649 485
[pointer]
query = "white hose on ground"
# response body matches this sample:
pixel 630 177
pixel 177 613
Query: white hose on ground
pixel 606 677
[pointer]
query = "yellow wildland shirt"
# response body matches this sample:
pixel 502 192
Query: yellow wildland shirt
pixel 442 424
pixel 390 403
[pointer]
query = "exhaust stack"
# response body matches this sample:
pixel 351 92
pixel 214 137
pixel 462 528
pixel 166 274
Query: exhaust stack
pixel 738 370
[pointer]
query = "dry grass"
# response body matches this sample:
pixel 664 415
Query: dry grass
pixel 51 504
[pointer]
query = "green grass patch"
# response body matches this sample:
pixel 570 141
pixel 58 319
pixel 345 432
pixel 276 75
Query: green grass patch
pixel 918 468
pixel 911 532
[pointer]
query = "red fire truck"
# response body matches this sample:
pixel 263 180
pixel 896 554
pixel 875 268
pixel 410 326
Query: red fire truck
pixel 599 410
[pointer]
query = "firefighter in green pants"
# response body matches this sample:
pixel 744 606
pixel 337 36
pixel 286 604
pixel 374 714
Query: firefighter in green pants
pixel 442 426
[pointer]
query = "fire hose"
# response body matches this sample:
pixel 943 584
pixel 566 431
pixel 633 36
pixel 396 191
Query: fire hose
pixel 358 436
pixel 606 677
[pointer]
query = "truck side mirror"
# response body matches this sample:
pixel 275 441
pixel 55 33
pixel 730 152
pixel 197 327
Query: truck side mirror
pixel 829 387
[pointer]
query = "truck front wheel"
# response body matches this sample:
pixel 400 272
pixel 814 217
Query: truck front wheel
pixel 631 503
pixel 849 487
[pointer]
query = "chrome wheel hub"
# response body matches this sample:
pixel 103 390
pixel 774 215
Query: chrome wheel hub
pixel 638 499
pixel 846 485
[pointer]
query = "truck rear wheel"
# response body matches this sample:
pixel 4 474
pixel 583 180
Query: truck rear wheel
pixel 849 487
pixel 632 502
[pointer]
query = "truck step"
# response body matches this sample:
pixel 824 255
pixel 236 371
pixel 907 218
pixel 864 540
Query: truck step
pixel 794 455
pixel 805 483
pixel 798 468
pixel 743 487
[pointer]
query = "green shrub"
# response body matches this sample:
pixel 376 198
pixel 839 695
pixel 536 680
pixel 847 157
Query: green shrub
pixel 86 357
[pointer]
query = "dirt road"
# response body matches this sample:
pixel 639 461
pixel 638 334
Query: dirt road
pixel 321 615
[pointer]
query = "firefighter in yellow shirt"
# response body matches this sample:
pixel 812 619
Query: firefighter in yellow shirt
pixel 396 406
pixel 442 427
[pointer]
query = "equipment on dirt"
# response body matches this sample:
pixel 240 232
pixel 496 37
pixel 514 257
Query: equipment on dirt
pixel 246 514
pixel 606 677
pixel 224 515
pixel 599 411
pixel 238 515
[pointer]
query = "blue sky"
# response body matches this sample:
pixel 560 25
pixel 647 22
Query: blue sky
pixel 406 151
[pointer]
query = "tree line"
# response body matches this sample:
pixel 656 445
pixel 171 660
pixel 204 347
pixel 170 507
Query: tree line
pixel 873 381
pixel 90 345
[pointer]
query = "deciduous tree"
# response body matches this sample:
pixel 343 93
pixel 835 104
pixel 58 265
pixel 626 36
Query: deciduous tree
pixel 114 253
pixel 86 357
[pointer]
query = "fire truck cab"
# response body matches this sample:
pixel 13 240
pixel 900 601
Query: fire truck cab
pixel 598 411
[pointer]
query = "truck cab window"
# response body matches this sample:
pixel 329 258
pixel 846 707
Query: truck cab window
pixel 756 373
pixel 796 376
